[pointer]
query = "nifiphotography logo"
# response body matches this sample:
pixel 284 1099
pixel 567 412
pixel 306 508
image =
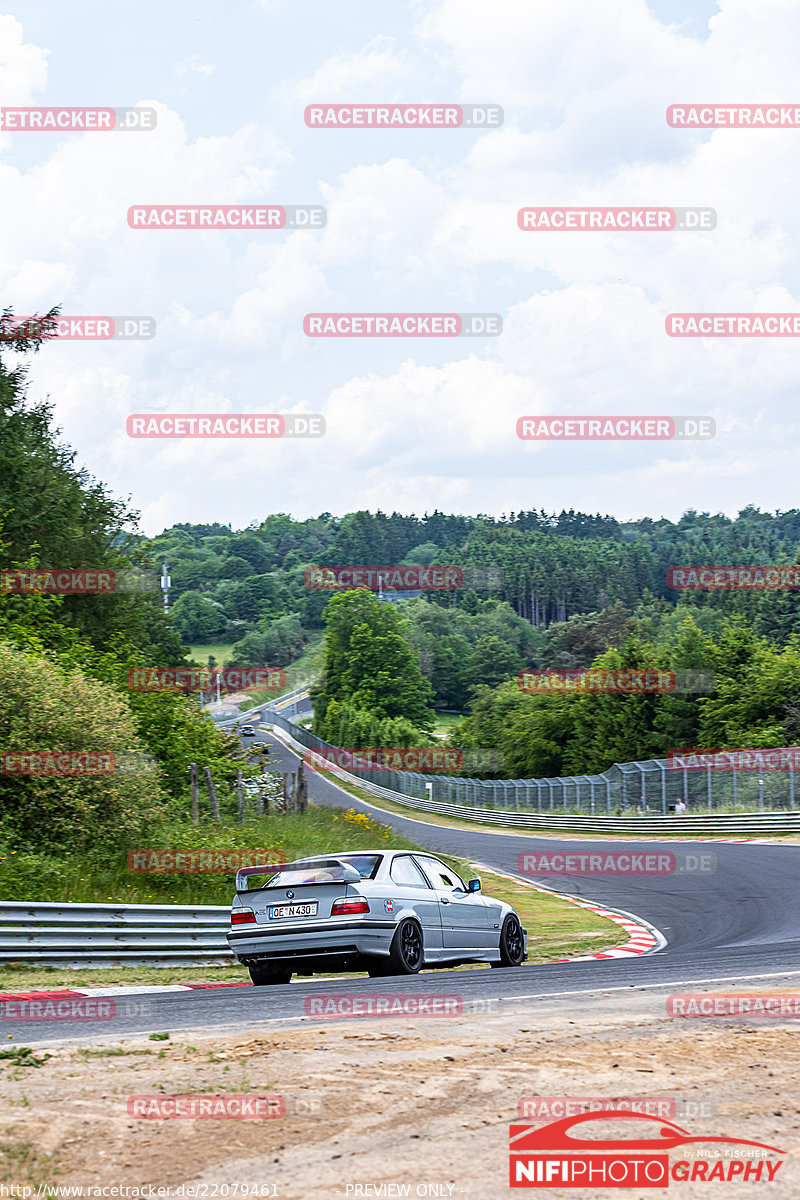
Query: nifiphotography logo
pixel 552 1156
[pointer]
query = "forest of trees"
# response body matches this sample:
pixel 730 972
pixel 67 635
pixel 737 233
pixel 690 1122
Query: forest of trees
pixel 229 583
pixel 64 660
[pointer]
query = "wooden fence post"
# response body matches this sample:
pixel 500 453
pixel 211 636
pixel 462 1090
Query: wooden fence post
pixel 195 801
pixel 240 794
pixel 212 795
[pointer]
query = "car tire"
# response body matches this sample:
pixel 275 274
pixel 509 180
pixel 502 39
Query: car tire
pixel 266 973
pixel 511 943
pixel 378 969
pixel 405 955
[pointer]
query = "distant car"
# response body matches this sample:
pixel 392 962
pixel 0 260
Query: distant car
pixel 248 731
pixel 389 912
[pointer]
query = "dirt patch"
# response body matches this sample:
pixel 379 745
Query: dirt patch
pixel 417 1103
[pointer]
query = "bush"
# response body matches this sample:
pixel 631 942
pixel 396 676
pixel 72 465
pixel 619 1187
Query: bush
pixel 44 708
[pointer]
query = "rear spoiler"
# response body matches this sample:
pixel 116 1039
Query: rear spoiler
pixel 243 873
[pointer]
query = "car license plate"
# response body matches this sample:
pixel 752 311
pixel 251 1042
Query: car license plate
pixel 292 910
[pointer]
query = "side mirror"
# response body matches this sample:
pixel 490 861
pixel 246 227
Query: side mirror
pixel 474 885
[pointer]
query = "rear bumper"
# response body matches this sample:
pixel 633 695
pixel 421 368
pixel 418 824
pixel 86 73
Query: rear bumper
pixel 260 943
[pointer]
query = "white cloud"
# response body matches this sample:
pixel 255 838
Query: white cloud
pixel 188 68
pixel 379 71
pixel 427 222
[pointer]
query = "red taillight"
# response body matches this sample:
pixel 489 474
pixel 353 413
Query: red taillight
pixel 243 916
pixel 343 907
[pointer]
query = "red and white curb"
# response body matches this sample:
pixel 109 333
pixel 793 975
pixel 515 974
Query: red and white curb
pixel 142 989
pixel 643 938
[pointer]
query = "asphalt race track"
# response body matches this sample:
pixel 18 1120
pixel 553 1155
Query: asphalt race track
pixel 737 923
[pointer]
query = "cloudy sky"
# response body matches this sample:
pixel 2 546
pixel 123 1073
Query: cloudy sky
pixel 418 221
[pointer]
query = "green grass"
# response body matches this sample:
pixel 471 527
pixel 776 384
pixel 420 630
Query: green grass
pixel 24 1162
pixel 222 652
pixel 23 977
pixel 303 670
pixel 105 878
pixel 444 723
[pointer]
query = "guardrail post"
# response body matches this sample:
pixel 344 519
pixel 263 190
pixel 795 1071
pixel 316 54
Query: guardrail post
pixel 791 783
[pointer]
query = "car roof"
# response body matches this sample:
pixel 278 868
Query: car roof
pixel 349 854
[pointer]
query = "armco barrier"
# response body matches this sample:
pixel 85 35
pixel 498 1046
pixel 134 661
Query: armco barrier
pixel 104 935
pixel 719 824
pixel 622 790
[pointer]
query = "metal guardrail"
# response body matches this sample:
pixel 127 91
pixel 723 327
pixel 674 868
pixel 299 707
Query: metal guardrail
pixel 650 786
pixel 104 935
pixel 724 824
pixel 287 704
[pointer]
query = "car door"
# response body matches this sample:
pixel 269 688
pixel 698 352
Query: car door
pixel 410 888
pixel 464 915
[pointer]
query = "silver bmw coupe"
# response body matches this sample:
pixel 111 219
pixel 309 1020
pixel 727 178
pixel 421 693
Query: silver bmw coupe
pixel 388 912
